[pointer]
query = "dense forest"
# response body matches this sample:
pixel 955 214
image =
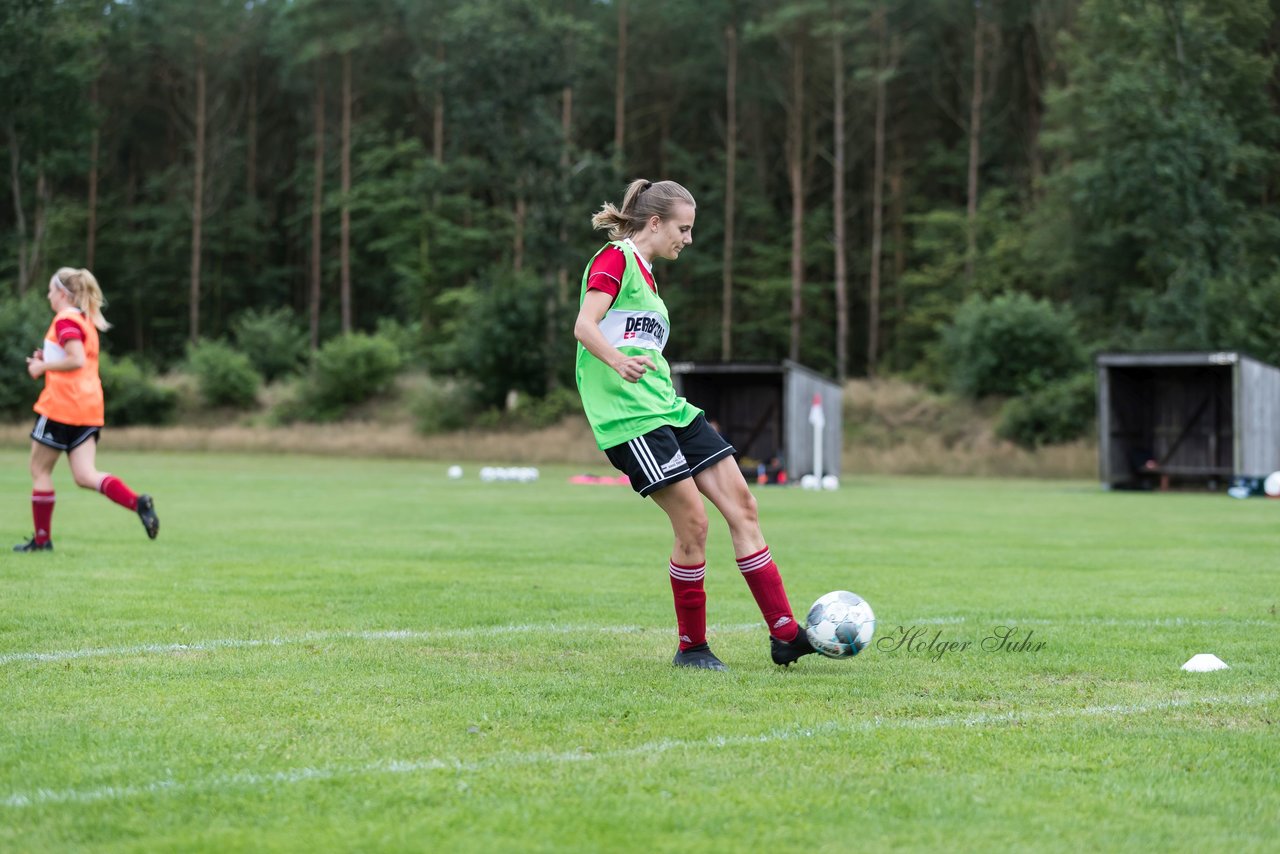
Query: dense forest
pixel 868 173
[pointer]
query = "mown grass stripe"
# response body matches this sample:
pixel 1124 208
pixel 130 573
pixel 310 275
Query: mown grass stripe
pixel 292 776
pixel 321 637
pixel 475 631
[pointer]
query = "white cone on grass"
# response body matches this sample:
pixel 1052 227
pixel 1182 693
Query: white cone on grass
pixel 1204 662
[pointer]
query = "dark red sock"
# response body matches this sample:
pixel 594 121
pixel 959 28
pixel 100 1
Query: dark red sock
pixel 761 575
pixel 691 603
pixel 42 514
pixel 115 489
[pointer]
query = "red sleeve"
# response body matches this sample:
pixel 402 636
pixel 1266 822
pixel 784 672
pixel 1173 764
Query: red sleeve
pixel 606 271
pixel 68 330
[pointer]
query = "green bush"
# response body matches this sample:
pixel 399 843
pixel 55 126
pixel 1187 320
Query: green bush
pixel 225 376
pixel 273 339
pixel 444 408
pixel 538 412
pixel 530 412
pixel 1058 412
pixel 1010 344
pixel 22 326
pixel 495 336
pixel 132 396
pixel 346 371
pixel 406 336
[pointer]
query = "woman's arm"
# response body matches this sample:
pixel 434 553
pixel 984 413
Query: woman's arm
pixel 74 348
pixel 595 305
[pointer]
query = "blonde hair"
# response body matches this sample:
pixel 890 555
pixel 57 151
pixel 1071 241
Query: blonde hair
pixel 85 294
pixel 642 200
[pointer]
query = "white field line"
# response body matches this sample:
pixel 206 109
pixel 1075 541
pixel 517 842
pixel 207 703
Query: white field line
pixel 371 635
pixel 374 635
pixel 256 780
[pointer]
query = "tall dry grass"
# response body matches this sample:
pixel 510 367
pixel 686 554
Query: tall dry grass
pixel 567 442
pixel 894 427
pixel 1078 460
pixel 890 427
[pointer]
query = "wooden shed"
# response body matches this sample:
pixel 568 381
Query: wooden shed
pixel 1186 418
pixel 764 410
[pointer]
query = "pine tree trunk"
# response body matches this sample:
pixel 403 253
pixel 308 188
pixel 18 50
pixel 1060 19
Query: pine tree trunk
pixel 20 219
pixel 197 195
pixel 135 287
pixel 730 185
pixel 95 141
pixel 317 202
pixel 44 200
pixel 558 298
pixel 795 176
pixel 975 140
pixel 837 201
pixel 437 116
pixel 877 201
pixel 253 258
pixel 517 247
pixel 427 237
pixel 251 141
pixel 897 217
pixel 1035 108
pixel 345 249
pixel 620 92
pixel 664 130
pixel 566 132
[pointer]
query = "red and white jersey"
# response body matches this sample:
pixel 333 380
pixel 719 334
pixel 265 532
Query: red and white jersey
pixel 72 397
pixel 606 271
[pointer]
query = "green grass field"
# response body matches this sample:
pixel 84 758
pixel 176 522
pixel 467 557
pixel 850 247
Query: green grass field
pixel 323 654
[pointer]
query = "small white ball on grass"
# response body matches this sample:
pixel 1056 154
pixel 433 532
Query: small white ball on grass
pixel 1271 486
pixel 455 472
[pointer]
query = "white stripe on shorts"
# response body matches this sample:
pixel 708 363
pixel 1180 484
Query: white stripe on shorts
pixel 640 449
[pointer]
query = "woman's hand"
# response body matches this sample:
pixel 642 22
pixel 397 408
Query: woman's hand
pixel 587 330
pixel 632 368
pixel 74 360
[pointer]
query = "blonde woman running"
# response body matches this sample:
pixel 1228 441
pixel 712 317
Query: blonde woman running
pixel 71 407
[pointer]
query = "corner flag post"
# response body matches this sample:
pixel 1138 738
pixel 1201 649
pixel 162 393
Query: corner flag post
pixel 818 420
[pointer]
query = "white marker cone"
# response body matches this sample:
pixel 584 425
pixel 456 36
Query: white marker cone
pixel 1203 663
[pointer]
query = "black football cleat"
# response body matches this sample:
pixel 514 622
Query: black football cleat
pixel 147 513
pixel 698 656
pixel 32 546
pixel 785 652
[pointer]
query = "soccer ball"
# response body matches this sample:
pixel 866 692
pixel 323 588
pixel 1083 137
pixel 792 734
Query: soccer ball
pixel 840 624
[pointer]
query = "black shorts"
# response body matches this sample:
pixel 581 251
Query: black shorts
pixel 62 437
pixel 668 454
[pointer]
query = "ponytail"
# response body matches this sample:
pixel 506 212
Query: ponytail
pixel 642 200
pixel 85 293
